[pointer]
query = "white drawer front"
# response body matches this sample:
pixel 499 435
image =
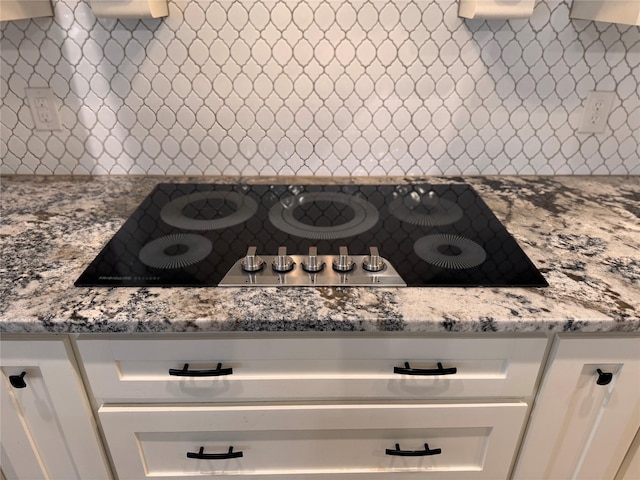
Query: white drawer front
pixel 477 441
pixel 268 369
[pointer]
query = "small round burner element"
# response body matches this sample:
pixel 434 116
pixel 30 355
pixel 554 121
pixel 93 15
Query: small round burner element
pixel 450 251
pixel 175 251
pixel 428 210
pixel 363 216
pixel 173 213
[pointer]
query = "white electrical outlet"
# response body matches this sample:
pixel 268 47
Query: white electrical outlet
pixel 596 112
pixel 43 108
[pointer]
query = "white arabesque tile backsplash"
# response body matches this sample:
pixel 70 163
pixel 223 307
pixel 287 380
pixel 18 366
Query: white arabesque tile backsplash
pixel 338 87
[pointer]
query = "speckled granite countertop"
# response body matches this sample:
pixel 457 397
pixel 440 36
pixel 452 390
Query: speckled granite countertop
pixel 582 232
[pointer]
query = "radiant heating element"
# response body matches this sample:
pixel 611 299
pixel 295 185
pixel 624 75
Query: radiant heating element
pixel 243 208
pixel 426 210
pixel 363 215
pixel 175 251
pixel 449 251
pixel 314 235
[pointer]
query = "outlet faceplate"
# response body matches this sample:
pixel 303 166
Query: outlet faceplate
pixel 596 112
pixel 43 108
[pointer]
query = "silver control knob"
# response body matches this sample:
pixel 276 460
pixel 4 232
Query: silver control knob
pixel 252 262
pixel 311 263
pixel 373 262
pixel 343 263
pixel 283 263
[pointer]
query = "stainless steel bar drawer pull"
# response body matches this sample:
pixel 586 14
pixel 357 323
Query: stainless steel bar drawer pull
pixel 413 453
pixel 407 370
pixel 214 456
pixel 185 372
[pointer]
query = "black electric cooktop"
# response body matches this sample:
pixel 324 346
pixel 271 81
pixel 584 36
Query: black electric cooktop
pixel 429 235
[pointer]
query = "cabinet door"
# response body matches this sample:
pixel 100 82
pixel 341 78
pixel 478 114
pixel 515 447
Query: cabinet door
pixel 314 442
pixel 578 428
pixel 50 417
pixel 20 458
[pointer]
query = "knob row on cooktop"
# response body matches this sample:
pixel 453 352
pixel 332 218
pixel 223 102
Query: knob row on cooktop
pixel 344 270
pixel 283 263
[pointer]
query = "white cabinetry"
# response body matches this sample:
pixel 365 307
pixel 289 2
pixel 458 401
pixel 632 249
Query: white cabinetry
pixel 320 407
pixel 626 12
pixel 312 407
pixel 21 9
pixel 578 428
pixel 47 428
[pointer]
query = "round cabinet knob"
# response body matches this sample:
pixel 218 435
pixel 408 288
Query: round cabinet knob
pixel 311 263
pixel 373 262
pixel 343 263
pixel 282 263
pixel 252 262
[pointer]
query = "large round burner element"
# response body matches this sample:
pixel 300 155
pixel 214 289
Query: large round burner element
pixel 449 251
pixel 428 210
pixel 175 251
pixel 243 209
pixel 362 215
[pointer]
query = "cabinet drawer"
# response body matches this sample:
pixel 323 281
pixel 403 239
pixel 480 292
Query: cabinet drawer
pixel 296 368
pixel 476 441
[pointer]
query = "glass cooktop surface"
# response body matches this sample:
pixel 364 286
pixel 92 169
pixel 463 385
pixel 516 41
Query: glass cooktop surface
pixel 194 234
